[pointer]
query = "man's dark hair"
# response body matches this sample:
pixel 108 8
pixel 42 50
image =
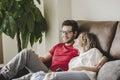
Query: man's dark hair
pixel 73 24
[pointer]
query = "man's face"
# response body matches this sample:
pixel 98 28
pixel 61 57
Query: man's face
pixel 67 34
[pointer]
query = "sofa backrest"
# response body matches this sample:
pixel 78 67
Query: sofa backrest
pixel 104 31
pixel 115 47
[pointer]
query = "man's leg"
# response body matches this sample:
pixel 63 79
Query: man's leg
pixel 26 58
pixel 32 76
pixel 25 77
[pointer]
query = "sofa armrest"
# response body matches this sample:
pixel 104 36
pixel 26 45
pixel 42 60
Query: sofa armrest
pixel 110 71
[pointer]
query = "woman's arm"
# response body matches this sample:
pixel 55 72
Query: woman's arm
pixel 94 68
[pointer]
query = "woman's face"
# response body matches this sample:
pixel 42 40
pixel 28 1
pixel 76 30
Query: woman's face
pixel 78 42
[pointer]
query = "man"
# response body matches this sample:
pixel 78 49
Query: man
pixel 60 54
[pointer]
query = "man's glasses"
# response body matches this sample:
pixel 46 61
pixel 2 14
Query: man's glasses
pixel 66 32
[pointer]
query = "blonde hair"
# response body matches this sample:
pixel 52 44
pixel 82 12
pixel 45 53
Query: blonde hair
pixel 88 40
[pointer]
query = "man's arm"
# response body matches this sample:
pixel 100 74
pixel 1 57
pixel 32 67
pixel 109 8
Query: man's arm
pixel 47 58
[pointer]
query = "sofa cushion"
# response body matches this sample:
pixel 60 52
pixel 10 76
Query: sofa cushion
pixel 115 48
pixel 104 31
pixel 110 71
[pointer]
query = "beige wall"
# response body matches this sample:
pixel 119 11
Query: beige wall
pixel 9 48
pixel 56 11
pixel 96 9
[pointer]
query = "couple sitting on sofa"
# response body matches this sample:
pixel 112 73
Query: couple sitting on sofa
pixel 82 67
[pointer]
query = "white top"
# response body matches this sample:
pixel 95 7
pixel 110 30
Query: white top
pixel 89 58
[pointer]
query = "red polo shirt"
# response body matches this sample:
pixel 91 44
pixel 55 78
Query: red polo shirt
pixel 62 54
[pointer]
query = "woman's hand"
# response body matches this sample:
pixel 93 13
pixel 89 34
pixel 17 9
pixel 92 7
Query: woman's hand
pixel 103 60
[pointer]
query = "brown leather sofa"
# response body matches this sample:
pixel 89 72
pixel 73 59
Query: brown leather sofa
pixel 108 35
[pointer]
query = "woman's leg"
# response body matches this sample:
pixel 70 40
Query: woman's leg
pixel 71 75
pixel 26 58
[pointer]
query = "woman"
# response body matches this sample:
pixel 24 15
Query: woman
pixel 82 67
